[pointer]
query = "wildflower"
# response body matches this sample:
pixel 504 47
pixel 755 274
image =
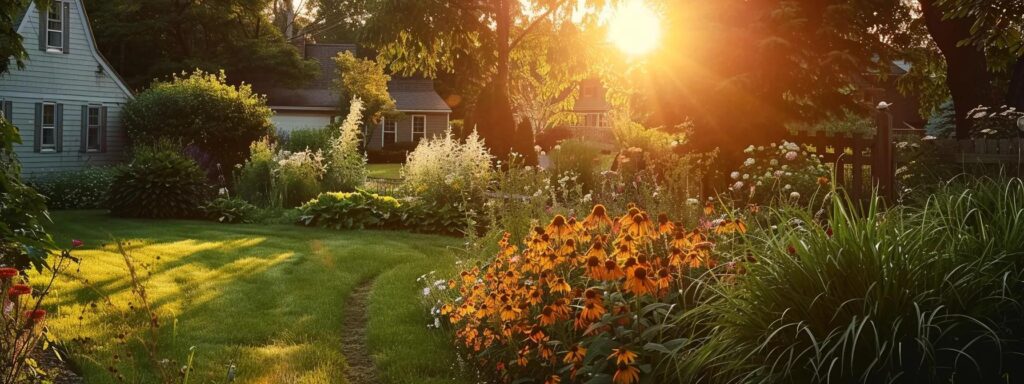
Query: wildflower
pixel 592 311
pixel 626 374
pixel 663 279
pixel 76 243
pixel 823 181
pixel 665 226
pixel 553 379
pixel 594 268
pixel 749 161
pixel 598 217
pixel 18 290
pixel 735 175
pixel 737 186
pixel 610 270
pixel 709 209
pixel 692 201
pixel 575 354
pixel 639 282
pixel 791 249
pixel 622 356
pixel 794 195
pixel 560 286
pixel 6 273
pixel 547 316
pixel 791 155
pixel 558 228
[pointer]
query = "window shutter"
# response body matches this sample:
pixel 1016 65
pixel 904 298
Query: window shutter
pixel 38 138
pixel 42 28
pixel 84 147
pixel 60 127
pixel 8 111
pixel 66 23
pixel 103 129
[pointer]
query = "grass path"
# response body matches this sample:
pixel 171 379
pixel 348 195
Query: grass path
pixel 361 369
pixel 272 301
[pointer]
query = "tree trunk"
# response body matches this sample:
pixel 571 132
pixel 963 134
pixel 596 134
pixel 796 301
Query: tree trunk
pixel 503 28
pixel 1015 95
pixel 967 76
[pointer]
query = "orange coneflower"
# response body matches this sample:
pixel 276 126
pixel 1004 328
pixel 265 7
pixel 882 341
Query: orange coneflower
pixel 561 307
pixel 623 252
pixel 550 260
pixel 626 220
pixel 567 248
pixel 709 209
pixel 676 257
pixel 537 334
pixel 639 282
pixel 509 312
pixel 598 218
pixel 536 296
pixel 575 354
pixel 597 249
pixel 559 286
pixel 553 379
pixel 594 268
pixel 559 228
pixel 665 226
pixel 626 374
pixel 611 270
pixel 663 280
pixel 522 357
pixel 547 316
pixel 693 259
pixel 591 311
pixel 622 356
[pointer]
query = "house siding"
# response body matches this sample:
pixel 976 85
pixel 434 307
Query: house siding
pixel 289 121
pixel 437 124
pixel 73 80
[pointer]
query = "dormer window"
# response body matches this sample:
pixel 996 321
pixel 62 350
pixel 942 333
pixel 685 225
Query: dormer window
pixel 55 27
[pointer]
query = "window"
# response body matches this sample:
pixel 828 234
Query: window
pixel 389 128
pixel 419 127
pixel 55 26
pixel 49 127
pixel 589 89
pixel 92 129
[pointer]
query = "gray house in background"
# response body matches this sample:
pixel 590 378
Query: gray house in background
pixel 422 111
pixel 67 100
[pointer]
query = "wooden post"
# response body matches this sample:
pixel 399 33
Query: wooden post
pixel 882 172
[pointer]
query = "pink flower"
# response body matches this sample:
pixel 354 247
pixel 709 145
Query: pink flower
pixel 76 243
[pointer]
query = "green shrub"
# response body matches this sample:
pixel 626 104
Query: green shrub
pixel 254 181
pixel 346 163
pixel 436 218
pixel 24 242
pixel 230 211
pixel 576 158
pixel 297 177
pixel 79 189
pixel 349 210
pixel 909 295
pixel 159 182
pixel 779 173
pixel 201 109
pixel 318 139
pixel 446 170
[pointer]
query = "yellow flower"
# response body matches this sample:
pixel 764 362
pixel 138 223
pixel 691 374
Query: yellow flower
pixel 553 379
pixel 639 281
pixel 598 217
pixel 592 311
pixel 575 354
pixel 626 374
pixel 559 228
pixel 622 356
pixel 559 286
pixel 709 209
pixel 665 226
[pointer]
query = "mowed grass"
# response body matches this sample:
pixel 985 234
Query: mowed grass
pixel 267 299
pixel 385 171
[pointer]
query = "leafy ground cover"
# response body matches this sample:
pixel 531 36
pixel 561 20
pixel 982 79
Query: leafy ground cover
pixel 268 300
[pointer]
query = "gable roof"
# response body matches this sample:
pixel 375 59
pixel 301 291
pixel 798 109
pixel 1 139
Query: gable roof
pixel 89 37
pixel 410 95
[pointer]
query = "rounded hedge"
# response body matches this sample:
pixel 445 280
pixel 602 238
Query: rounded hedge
pixel 201 109
pixel 158 183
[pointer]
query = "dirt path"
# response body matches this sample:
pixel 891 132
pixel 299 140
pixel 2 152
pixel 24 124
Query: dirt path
pixel 361 369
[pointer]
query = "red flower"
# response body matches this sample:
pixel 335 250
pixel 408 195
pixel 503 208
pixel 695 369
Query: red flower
pixel 18 290
pixel 6 273
pixel 791 249
pixel 36 315
pixel 828 231
pixel 76 243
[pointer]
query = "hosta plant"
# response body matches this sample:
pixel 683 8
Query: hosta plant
pixel 230 210
pixel 349 210
pixel 159 183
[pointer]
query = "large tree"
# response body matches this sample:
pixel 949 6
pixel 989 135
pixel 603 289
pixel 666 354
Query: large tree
pixel 428 37
pixel 321 21
pixel 152 39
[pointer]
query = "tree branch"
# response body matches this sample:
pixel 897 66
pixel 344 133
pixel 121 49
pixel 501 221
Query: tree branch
pixel 534 23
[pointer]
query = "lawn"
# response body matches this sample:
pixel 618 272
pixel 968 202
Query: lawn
pixel 269 300
pixel 385 171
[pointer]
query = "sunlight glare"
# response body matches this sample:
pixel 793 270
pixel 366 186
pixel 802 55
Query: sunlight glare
pixel 634 28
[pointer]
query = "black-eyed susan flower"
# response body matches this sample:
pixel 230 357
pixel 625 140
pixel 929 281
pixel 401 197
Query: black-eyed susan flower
pixel 592 311
pixel 611 271
pixel 624 251
pixel 626 374
pixel 622 356
pixel 595 267
pixel 665 226
pixel 575 354
pixel 559 285
pixel 709 209
pixel 553 379
pixel 559 228
pixel 598 218
pixel 639 282
pixel 547 316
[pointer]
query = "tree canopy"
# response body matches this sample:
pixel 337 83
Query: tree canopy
pixel 146 40
pixel 364 80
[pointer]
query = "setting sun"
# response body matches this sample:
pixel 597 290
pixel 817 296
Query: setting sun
pixel 634 28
